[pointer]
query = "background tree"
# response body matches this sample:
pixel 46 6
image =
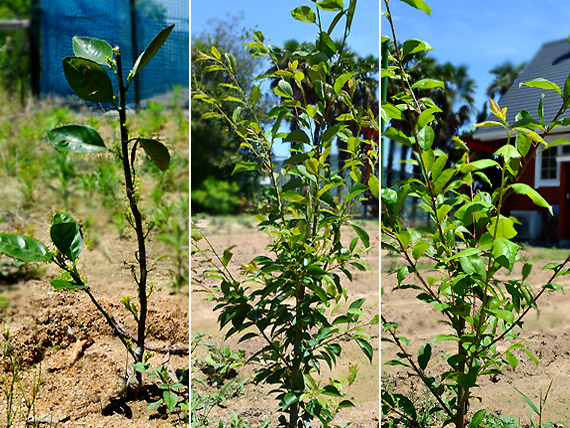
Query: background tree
pixel 505 76
pixel 14 50
pixel 215 150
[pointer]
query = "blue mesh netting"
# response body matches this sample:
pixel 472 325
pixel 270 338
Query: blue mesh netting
pixel 110 20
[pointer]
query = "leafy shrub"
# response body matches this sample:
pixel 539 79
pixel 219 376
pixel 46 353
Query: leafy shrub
pixel 216 196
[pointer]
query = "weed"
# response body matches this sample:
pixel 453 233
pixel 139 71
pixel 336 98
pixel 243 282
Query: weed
pixel 236 422
pixel 172 390
pixel 20 405
pixel 221 362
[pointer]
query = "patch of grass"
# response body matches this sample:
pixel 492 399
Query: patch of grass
pixel 535 254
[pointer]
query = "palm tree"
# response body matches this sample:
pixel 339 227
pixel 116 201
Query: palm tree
pixel 505 76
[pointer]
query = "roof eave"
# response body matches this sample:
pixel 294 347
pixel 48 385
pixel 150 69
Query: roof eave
pixel 500 133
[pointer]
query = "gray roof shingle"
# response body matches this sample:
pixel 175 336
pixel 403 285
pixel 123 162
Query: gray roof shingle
pixel 552 62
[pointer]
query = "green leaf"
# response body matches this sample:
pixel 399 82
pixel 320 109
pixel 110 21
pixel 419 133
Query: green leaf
pixel 374 185
pixel 425 137
pixel 332 131
pixel 508 152
pixel 297 136
pixel 504 252
pixel 529 134
pixel 523 144
pixel 216 53
pixel 426 116
pixel 62 284
pixel 93 49
pixel 467 380
pixel 355 190
pixel 68 239
pixel 502 228
pixel 255 95
pixel 76 139
pixel 246 166
pixel 304 13
pixel 526 269
pixel 389 111
pixel 326 45
pixel 477 418
pixel 63 218
pixel 171 399
pixel 312 165
pixel 478 165
pixel 365 347
pixel 330 5
pixel 557 142
pixel 283 89
pixel 488 124
pixel 362 235
pixel 420 248
pixel 552 286
pixel 336 20
pixel 503 314
pixel 566 92
pixel 419 4
pixel 155 405
pixel 88 79
pixel 231 62
pixel 424 355
pixel 227 256
pixel 157 152
pixel 345 404
pixel 23 248
pixel 289 399
pixel 512 360
pixel 341 81
pixel 152 49
pixel 413 46
pixel 542 84
pixel 541 109
pixel 331 391
pixel 428 84
pixel 525 189
pixel 529 402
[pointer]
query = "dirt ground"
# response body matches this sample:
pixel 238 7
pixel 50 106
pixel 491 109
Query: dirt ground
pixel 547 332
pixel 45 328
pixel 256 404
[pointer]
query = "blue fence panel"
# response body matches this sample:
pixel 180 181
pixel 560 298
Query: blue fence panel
pixel 110 20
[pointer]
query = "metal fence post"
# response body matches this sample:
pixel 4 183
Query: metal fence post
pixel 135 50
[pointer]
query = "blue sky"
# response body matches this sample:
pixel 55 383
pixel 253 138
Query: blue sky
pixel 482 34
pixel 274 20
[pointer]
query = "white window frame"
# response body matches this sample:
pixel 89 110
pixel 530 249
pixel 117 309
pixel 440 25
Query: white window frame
pixel 540 182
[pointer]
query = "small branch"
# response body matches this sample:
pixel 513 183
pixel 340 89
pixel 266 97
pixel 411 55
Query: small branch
pixel 418 370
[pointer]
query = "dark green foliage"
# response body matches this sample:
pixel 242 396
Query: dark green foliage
pixel 215 149
pixel 468 238
pixel 293 299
